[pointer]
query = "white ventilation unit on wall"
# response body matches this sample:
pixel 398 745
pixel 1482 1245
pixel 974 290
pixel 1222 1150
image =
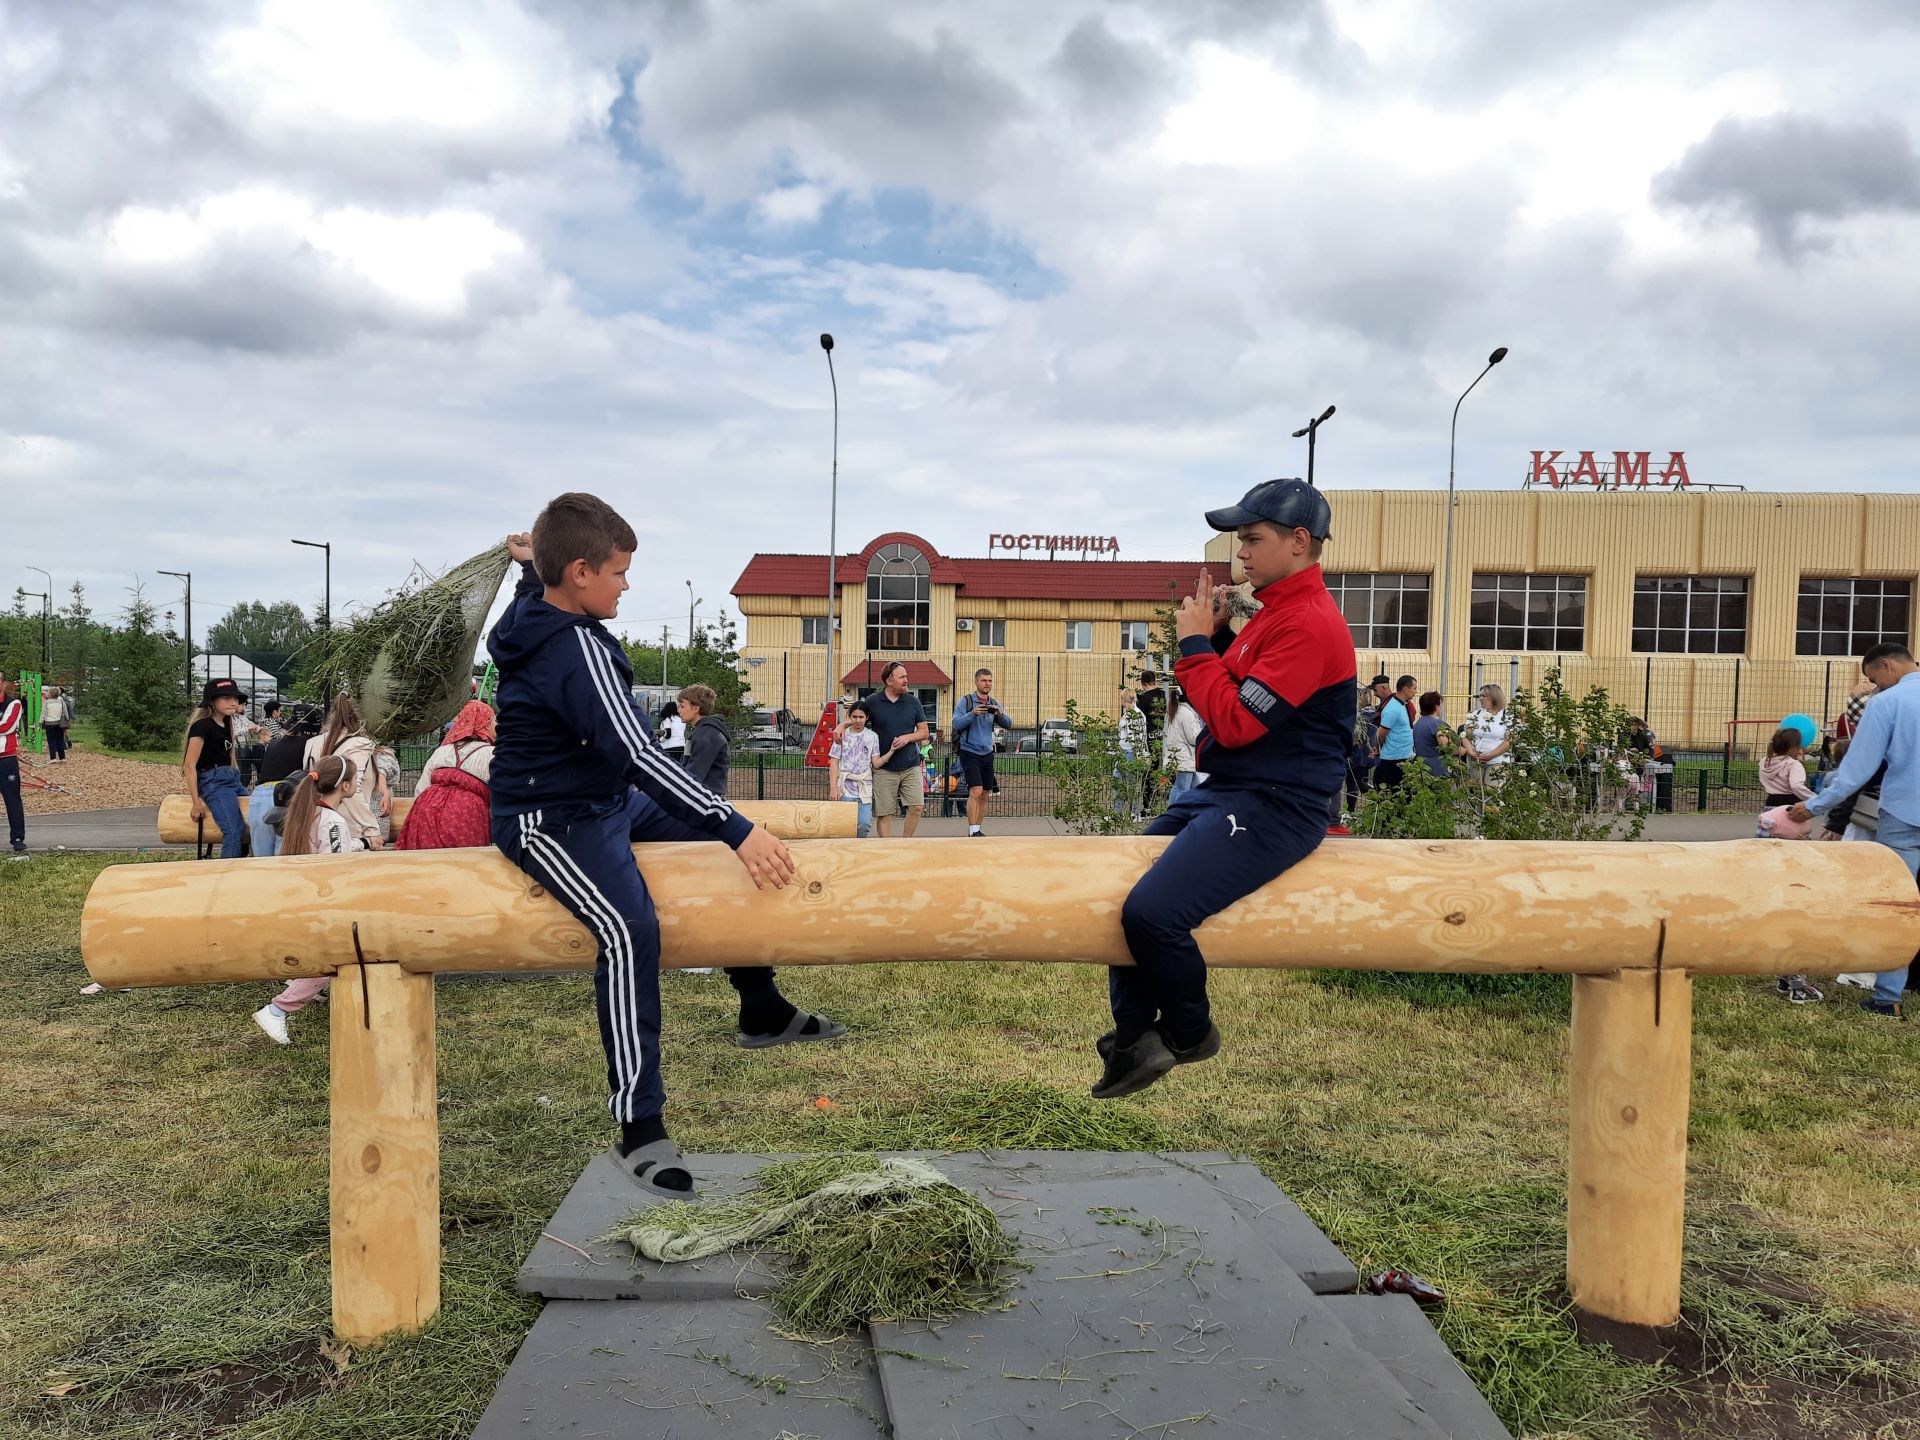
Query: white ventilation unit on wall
pixel 963 626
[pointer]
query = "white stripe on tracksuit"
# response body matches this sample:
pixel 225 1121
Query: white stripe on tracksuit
pixel 610 929
pixel 641 746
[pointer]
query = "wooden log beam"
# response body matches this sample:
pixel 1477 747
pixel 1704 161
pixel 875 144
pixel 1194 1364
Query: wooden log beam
pixel 1727 908
pixel 1627 1161
pixel 789 819
pixel 384 1158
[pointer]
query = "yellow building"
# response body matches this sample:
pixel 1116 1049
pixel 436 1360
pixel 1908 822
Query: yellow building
pixel 1702 609
pixel 1049 629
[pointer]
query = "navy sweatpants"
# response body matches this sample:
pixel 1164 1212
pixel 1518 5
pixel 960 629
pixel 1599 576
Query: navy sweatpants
pixel 1228 843
pixel 584 857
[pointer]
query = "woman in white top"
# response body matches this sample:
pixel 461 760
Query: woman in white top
pixel 1489 736
pixel 468 747
pixel 1183 733
pixel 346 738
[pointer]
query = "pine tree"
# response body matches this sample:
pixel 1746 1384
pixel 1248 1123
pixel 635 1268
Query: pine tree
pixel 73 642
pixel 137 697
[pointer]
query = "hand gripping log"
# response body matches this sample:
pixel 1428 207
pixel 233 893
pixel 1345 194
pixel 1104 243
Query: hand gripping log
pixel 1633 922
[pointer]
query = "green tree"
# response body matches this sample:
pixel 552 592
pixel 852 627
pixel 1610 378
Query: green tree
pixel 137 698
pixel 713 659
pixel 76 638
pixel 255 627
pixel 1096 785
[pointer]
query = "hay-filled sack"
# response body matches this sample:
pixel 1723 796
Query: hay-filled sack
pixel 408 663
pixel 866 1238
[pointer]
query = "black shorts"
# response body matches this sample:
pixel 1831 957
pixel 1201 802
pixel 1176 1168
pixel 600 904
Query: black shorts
pixel 978 770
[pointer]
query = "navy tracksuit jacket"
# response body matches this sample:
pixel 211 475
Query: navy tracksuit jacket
pixel 1278 701
pixel 577 779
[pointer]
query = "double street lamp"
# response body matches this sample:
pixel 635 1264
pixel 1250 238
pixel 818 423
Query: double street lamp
pixel 1446 581
pixel 1311 430
pixel 46 623
pixel 46 664
pixel 187 575
pixel 326 612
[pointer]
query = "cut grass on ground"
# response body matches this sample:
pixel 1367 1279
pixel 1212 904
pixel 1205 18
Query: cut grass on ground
pixel 163 1176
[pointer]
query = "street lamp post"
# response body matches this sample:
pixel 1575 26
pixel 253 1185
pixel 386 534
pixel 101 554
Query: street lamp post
pixel 1446 581
pixel 1311 429
pixel 46 623
pixel 326 605
pixel 187 575
pixel 833 531
pixel 692 605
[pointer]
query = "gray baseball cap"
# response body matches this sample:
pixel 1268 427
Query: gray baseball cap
pixel 1286 503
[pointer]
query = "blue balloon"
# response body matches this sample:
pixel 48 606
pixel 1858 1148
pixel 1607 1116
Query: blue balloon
pixel 1809 732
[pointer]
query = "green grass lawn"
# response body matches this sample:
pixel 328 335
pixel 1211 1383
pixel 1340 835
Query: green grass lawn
pixel 163 1176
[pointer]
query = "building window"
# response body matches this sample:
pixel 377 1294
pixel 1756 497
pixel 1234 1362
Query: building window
pixel 1690 614
pixel 1133 636
pixel 813 629
pixel 1079 635
pixel 1529 612
pixel 1849 617
pixel 1386 611
pixel 993 633
pixel 899 599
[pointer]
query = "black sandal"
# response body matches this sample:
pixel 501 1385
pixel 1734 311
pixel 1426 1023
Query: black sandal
pixel 647 1165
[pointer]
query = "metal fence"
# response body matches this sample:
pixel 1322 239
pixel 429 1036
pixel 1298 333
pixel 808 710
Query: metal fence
pixel 1713 715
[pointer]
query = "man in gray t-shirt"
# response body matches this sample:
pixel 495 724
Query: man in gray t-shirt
pixel 900 724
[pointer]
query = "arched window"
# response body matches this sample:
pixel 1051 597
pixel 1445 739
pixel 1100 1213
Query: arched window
pixel 899 599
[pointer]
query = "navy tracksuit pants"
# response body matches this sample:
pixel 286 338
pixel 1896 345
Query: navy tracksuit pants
pixel 583 856
pixel 1228 842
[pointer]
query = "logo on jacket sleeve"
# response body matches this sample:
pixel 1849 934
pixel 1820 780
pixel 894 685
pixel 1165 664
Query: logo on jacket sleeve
pixel 1257 697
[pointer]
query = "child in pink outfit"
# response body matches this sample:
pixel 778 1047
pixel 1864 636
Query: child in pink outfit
pixel 1783 774
pixel 312 827
pixel 1784 777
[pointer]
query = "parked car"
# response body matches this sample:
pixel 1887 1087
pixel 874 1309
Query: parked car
pixel 1058 734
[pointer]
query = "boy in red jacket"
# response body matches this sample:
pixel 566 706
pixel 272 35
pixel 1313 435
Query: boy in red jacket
pixel 1278 700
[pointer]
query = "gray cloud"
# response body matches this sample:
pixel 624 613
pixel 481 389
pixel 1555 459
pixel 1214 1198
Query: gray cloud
pixel 1780 172
pixel 1109 80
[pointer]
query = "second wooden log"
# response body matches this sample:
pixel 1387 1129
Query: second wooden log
pixel 789 819
pixel 1739 907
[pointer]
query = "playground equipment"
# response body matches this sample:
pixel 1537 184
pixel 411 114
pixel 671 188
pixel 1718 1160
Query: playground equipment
pixel 1633 923
pixel 789 819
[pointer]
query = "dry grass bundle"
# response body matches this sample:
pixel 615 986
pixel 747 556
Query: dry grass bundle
pixel 408 663
pixel 894 1244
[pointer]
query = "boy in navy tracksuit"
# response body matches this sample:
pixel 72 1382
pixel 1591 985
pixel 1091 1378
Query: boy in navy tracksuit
pixel 1278 702
pixel 578 778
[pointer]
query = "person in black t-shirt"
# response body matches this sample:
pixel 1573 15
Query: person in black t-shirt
pixel 213 781
pixel 900 724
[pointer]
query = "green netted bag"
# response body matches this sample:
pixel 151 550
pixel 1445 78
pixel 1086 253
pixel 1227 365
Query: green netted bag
pixel 867 1238
pixel 408 662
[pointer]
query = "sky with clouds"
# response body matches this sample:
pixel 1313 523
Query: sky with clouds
pixel 392 272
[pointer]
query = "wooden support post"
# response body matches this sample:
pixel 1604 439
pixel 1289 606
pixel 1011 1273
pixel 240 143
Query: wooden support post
pixel 1627 1167
pixel 385 1163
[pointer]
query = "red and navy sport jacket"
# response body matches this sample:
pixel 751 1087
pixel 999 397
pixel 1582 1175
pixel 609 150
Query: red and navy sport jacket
pixel 1278 699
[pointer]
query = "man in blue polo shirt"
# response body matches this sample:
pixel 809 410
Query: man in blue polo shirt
pixel 1395 737
pixel 1889 734
pixel 900 724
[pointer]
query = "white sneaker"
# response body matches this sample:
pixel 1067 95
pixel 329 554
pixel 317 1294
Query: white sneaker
pixel 1859 982
pixel 274 1025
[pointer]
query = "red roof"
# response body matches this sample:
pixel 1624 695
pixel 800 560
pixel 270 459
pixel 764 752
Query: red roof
pixel 919 672
pixel 981 578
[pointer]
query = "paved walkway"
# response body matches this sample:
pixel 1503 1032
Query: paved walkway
pixel 138 829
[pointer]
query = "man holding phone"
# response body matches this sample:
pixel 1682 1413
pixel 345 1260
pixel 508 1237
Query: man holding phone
pixel 973 725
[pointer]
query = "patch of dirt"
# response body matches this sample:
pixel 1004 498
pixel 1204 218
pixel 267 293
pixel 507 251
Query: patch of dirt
pixel 86 781
pixel 1708 1397
pixel 229 1393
